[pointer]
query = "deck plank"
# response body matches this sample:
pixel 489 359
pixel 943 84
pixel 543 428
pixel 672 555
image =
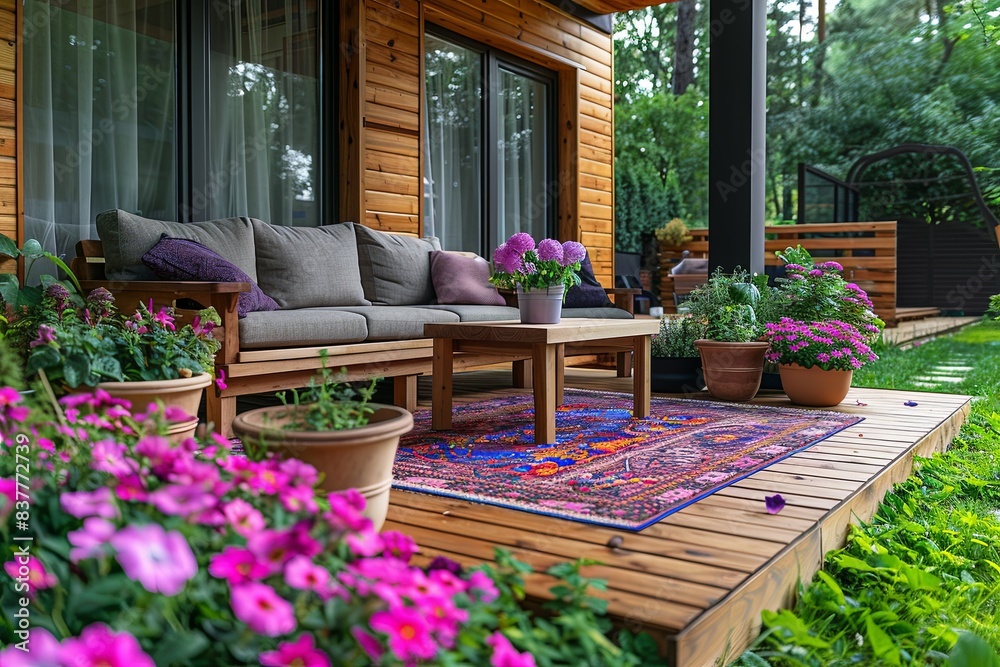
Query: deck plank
pixel 698 579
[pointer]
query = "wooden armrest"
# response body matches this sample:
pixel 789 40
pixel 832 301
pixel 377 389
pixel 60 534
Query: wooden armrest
pixel 221 296
pixel 187 287
pixel 623 297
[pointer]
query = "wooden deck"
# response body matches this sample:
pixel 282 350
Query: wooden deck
pixel 698 579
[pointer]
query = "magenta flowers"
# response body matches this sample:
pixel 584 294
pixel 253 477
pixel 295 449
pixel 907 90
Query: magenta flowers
pixel 830 345
pixel 162 562
pixel 520 263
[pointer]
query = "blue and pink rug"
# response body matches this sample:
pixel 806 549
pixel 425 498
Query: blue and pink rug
pixel 605 468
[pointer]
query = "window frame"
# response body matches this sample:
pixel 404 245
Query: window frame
pixel 493 61
pixel 192 23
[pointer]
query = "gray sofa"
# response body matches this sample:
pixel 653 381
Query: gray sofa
pixel 336 284
pixel 361 295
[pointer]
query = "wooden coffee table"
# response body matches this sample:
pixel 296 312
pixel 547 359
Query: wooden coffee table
pixel 545 343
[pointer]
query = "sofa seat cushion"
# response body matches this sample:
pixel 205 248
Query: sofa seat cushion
pixel 184 259
pixel 303 327
pixel 127 237
pixel 468 313
pixel 395 270
pixel 398 323
pixel 308 267
pixel 611 313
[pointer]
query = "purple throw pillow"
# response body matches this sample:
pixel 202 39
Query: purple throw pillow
pixel 589 293
pixel 182 259
pixel 459 279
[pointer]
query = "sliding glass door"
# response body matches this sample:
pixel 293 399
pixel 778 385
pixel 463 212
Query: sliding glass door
pixel 172 110
pixel 489 148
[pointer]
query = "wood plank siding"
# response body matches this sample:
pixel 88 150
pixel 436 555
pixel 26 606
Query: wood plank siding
pixel 10 117
pixel 381 128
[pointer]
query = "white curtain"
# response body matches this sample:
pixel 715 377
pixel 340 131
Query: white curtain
pixel 263 106
pixel 98 117
pixel 521 160
pixel 453 185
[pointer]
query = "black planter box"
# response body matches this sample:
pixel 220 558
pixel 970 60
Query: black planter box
pixel 676 375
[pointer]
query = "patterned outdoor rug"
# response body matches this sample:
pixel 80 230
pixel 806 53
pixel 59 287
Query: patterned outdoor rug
pixel 606 468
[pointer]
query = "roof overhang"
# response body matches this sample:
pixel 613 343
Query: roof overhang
pixel 612 6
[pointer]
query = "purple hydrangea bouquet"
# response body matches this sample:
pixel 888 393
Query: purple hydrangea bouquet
pixel 518 262
pixel 830 345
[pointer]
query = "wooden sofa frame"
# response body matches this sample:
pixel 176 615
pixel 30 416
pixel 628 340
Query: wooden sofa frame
pixel 268 370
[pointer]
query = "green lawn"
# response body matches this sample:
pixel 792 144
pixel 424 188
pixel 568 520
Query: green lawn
pixel 920 584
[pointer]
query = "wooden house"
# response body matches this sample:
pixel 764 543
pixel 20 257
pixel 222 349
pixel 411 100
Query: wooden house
pixel 467 120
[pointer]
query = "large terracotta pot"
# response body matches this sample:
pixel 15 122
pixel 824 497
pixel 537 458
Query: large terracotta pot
pixel 183 393
pixel 732 370
pixel 676 375
pixel 814 386
pixel 540 306
pixel 359 458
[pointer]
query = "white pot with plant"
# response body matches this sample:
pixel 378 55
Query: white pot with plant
pixel 338 430
pixel 541 274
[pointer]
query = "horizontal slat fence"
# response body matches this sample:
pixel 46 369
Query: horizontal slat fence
pixel 867 251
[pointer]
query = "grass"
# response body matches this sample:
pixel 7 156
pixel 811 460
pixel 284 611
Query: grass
pixel 920 583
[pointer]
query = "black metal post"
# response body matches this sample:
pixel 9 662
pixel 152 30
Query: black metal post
pixel 736 160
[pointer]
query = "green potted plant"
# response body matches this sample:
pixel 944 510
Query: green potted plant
pixel 78 344
pixel 338 430
pixel 732 351
pixel 821 329
pixel 675 365
pixel 541 274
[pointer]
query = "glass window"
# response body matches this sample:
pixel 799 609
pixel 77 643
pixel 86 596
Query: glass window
pixel 99 115
pixel 522 158
pixel 263 102
pixel 107 118
pixel 488 146
pixel 453 207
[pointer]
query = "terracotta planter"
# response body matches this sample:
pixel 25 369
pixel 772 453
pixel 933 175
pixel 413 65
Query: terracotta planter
pixel 732 370
pixel 359 458
pixel 183 393
pixel 675 375
pixel 540 306
pixel 814 386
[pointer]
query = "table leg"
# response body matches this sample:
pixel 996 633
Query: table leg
pixel 543 362
pixel 560 372
pixel 640 376
pixel 521 373
pixel 442 369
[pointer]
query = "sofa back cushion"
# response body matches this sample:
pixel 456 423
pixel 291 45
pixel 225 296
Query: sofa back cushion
pixel 304 267
pixel 395 270
pixel 183 259
pixel 461 279
pixel 589 293
pixel 127 237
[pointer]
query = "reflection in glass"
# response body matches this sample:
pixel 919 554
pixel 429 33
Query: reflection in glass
pixel 263 112
pixel 99 119
pixel 453 188
pixel 523 118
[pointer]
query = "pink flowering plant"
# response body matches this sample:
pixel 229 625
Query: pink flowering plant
pixel 830 345
pixel 518 262
pixel 80 346
pixel 124 549
pixel 817 292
